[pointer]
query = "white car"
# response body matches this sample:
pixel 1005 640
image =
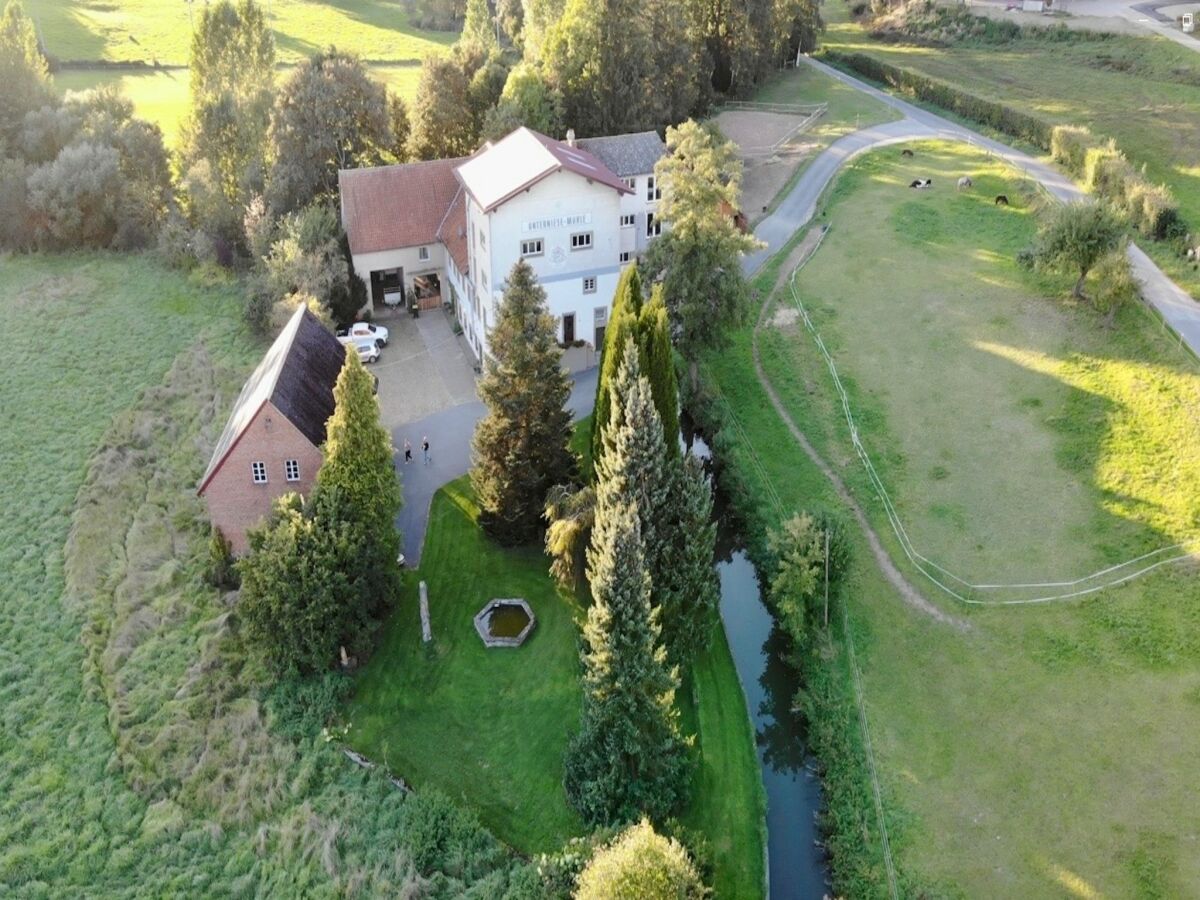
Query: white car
pixel 368 350
pixel 364 330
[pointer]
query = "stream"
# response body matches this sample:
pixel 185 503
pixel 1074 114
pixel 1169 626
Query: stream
pixel 797 865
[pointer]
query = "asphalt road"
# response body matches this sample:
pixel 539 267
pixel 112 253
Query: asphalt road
pixel 795 211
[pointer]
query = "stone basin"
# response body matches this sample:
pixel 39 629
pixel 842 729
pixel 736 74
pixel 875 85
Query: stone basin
pixel 505 623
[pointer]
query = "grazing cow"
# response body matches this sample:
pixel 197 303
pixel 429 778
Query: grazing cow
pixel 965 182
pixel 906 152
pixel 1002 199
pixel 921 183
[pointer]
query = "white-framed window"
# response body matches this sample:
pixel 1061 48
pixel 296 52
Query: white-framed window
pixel 627 220
pixel 291 469
pixel 653 191
pixel 600 315
pixel 626 256
pixel 532 247
pixel 258 471
pixel 631 183
pixel 653 225
pixel 423 253
pixel 581 240
pixel 589 284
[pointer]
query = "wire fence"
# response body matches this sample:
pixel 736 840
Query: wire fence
pixel 939 575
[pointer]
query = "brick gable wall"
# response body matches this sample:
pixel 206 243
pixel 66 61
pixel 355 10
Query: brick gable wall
pixel 235 503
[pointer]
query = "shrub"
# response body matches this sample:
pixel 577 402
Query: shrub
pixel 1153 210
pixel 301 707
pixel 641 865
pixel 1069 145
pixel 441 837
pixel 1094 157
pixel 221 572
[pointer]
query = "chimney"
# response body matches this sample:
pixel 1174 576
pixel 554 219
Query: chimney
pixel 570 137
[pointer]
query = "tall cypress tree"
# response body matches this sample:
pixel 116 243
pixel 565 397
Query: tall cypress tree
pixel 687 589
pixel 658 364
pixel 521 447
pixel 359 469
pixel 629 758
pixel 622 321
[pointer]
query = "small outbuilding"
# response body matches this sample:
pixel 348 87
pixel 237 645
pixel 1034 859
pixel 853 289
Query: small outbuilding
pixel 271 444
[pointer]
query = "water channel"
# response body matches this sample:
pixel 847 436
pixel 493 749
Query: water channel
pixel 797 865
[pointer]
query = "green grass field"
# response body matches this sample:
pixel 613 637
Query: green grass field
pixel 160 31
pixel 490 727
pixel 1143 91
pixel 162 96
pixel 1045 751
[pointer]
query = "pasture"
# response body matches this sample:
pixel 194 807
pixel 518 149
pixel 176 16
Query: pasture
pixel 159 32
pixel 1142 91
pixel 1020 441
pixel 161 95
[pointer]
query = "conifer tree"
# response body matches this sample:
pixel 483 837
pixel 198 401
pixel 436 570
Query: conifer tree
pixel 688 589
pixel 359 468
pixel 622 321
pixel 658 364
pixel 521 447
pixel 628 758
pixel 477 27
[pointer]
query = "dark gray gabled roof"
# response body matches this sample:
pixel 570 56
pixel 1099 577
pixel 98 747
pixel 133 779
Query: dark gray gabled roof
pixel 627 154
pixel 297 375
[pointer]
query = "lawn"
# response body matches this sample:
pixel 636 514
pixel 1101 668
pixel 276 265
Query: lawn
pixel 160 31
pixel 500 718
pixel 1019 440
pixel 488 726
pixel 161 96
pixel 1143 91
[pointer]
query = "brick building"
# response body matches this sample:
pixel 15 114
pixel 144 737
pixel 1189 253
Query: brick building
pixel 271 444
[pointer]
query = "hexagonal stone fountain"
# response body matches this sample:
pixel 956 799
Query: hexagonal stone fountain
pixel 505 623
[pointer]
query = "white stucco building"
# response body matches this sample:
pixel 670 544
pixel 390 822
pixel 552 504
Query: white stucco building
pixel 576 211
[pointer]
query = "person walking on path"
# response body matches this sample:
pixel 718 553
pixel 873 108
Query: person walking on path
pixel 407 451
pixel 425 448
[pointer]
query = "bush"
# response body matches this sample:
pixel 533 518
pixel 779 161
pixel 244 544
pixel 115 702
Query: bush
pixel 441 837
pixel 221 572
pixel 75 198
pixel 301 707
pixel 641 865
pixel 1069 145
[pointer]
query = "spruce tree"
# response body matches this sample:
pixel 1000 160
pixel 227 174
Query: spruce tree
pixel 629 758
pixel 360 470
pixel 477 28
pixel 521 447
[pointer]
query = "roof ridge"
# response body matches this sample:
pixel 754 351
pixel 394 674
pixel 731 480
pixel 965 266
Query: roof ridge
pixel 446 214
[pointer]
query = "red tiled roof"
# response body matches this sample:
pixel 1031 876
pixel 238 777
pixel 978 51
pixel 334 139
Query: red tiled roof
pixel 453 231
pixel 388 207
pixel 582 162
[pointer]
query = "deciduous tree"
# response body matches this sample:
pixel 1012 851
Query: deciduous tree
pixel 1077 236
pixel 641 864
pixel 232 73
pixel 23 70
pixel 329 115
pixel 699 257
pixel 521 446
pixel 441 117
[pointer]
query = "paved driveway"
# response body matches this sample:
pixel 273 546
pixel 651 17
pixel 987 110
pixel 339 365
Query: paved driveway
pixel 425 368
pixel 449 431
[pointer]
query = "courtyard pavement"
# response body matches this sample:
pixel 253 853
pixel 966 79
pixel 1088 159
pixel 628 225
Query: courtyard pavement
pixel 424 368
pixel 449 431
